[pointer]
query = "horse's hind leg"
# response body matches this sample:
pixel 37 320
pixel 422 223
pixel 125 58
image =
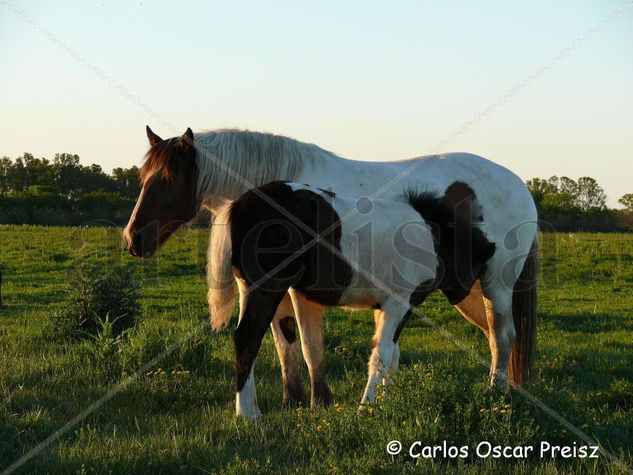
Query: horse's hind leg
pixel 285 337
pixel 385 338
pixel 501 332
pixel 473 308
pixel 259 307
pixel 310 319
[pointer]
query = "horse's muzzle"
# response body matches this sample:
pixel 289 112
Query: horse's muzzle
pixel 134 242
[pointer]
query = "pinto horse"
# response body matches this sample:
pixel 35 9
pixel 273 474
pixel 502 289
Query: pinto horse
pixel 213 168
pixel 287 237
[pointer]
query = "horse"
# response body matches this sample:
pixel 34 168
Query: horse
pixel 210 169
pixel 287 237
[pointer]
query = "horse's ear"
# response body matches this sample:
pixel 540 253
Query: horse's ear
pixel 153 138
pixel 187 139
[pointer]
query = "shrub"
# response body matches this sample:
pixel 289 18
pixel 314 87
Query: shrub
pixel 106 350
pixel 95 294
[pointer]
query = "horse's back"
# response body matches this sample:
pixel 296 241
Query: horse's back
pixel 506 203
pixel 501 192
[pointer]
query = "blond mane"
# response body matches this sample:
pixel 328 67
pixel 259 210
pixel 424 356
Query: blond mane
pixel 232 161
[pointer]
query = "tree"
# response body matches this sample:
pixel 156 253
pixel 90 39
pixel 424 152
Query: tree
pixel 6 165
pixel 127 181
pixel 627 201
pixel 66 173
pixel 566 204
pixel 540 188
pixel 38 191
pixel 569 186
pixel 554 196
pixel 17 175
pixel 591 196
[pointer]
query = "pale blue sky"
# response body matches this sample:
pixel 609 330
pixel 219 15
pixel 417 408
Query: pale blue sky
pixel 368 80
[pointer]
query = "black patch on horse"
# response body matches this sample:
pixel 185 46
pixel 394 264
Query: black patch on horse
pixel 273 250
pixel 288 328
pixel 421 291
pixel 277 235
pixel 462 247
pixel 461 198
pixel 417 297
pixel 248 335
pixel 401 325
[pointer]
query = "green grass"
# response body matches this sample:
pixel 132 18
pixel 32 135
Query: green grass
pixel 179 415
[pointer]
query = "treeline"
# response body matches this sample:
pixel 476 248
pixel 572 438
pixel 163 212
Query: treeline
pixel 578 205
pixel 64 192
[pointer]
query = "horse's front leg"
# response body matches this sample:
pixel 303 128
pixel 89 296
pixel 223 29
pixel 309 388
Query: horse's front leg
pixel 395 359
pixel 257 314
pixel 284 330
pixel 388 327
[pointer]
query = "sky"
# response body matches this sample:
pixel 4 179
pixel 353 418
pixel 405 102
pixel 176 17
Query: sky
pixel 367 80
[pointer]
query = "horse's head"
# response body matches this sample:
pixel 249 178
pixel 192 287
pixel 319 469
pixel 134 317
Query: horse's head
pixel 168 195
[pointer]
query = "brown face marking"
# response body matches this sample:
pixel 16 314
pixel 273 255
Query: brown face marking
pixel 168 194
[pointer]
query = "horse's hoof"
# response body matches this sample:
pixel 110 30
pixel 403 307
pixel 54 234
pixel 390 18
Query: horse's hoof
pixel 499 382
pixel 291 403
pixel 321 396
pixel 320 403
pixel 365 408
pixel 294 398
pixel 250 416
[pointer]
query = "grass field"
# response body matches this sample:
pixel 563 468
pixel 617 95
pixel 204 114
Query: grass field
pixel 179 414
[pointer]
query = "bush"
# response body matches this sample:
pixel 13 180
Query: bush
pixel 106 350
pixel 94 295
